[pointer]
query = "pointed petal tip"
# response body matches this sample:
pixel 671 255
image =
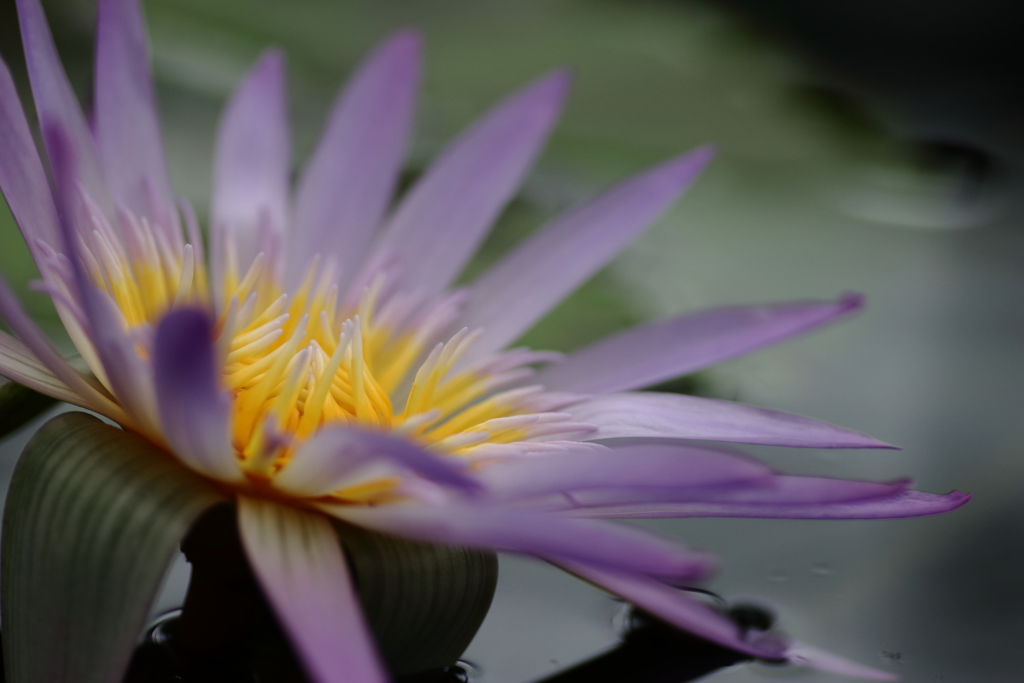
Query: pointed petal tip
pixel 405 43
pixel 802 654
pixel 704 153
pixel 550 89
pixel 706 565
pixel 851 301
pixel 958 498
pixel 849 438
pixel 912 503
pixel 560 77
pixel 685 168
pixel 672 177
pixel 267 74
pixel 399 56
pixel 858 441
pixel 270 65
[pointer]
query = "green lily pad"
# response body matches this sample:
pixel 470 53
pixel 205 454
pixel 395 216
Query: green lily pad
pixel 93 518
pixel 423 602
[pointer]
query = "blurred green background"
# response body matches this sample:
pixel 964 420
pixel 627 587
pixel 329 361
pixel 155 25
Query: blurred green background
pixel 815 191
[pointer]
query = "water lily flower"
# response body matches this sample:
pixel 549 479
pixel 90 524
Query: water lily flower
pixel 316 360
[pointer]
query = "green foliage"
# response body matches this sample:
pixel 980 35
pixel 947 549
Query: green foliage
pixel 93 518
pixel 423 602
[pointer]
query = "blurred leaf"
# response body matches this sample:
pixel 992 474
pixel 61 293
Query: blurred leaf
pixel 93 517
pixel 423 602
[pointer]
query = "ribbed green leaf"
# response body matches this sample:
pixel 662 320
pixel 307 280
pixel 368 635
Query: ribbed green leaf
pixel 93 517
pixel 423 602
pixel 19 405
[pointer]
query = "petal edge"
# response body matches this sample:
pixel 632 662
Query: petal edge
pixel 296 556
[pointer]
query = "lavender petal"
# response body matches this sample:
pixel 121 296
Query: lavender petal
pixel 297 559
pixel 676 416
pixel 322 463
pixel 345 189
pixel 442 220
pixel 129 377
pixel 900 505
pixel 22 178
pixel 95 397
pixel 55 100
pixel 18 364
pixel 677 468
pixel 766 490
pixel 491 526
pixel 646 355
pixel 803 654
pixel 194 411
pixel 251 165
pixel 510 297
pixel 126 127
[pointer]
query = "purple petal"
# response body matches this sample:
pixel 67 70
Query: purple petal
pixel 605 545
pixel 194 411
pixel 297 559
pixel 39 346
pixel 675 416
pixel 347 185
pixel 766 490
pixel 251 165
pixel 514 294
pixel 442 220
pixel 27 190
pixel 129 377
pixel 675 467
pixel 675 607
pixel 127 131
pixel 901 505
pixel 803 654
pixel 322 464
pixel 22 177
pixel 653 353
pixel 55 100
pixel 19 365
pixel 120 366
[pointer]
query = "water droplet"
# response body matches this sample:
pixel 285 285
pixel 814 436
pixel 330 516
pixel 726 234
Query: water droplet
pixel 470 671
pixel 892 657
pixel 161 631
pixel 749 616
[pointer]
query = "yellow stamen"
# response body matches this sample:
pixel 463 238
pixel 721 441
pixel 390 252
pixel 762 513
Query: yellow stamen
pixel 298 361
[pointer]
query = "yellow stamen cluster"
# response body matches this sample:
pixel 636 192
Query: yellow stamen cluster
pixel 297 362
pixel 148 276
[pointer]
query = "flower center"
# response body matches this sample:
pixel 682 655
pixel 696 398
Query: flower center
pixel 297 362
